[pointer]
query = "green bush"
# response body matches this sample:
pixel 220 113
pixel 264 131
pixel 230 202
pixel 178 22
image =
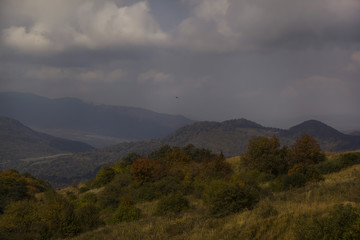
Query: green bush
pixel 155 190
pixel 88 216
pixel 105 175
pixel 110 196
pixel 87 198
pixel 342 222
pixel 311 174
pixel 173 204
pixel 224 198
pixel 345 160
pixel 84 189
pixel 295 180
pixel 266 155
pixel 126 214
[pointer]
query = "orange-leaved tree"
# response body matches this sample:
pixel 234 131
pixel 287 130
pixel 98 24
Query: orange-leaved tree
pixel 145 170
pixel 306 151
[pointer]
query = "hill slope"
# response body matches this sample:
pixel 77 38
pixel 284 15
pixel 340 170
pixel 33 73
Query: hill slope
pixel 230 137
pixel 18 142
pixel 328 138
pixel 97 124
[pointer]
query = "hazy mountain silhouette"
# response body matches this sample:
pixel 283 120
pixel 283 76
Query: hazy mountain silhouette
pixel 328 138
pixel 230 137
pixel 66 117
pixel 19 142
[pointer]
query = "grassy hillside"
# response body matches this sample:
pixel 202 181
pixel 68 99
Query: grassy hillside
pixel 279 215
pixel 191 193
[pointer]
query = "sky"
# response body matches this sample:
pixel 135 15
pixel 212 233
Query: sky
pixel 276 62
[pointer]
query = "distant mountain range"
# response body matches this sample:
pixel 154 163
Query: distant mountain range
pixel 20 142
pixel 98 125
pixel 231 137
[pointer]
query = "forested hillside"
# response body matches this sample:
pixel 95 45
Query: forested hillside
pixel 229 137
pixel 271 192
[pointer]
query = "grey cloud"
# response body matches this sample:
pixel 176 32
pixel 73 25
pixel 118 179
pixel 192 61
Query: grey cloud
pixel 60 25
pixel 228 25
pixel 259 59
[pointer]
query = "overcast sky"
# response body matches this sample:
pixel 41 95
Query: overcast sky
pixel 271 61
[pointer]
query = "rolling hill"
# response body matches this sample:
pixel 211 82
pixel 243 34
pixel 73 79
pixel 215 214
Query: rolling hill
pixel 20 142
pixel 98 125
pixel 230 137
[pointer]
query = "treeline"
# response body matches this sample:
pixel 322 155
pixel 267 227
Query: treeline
pixel 173 177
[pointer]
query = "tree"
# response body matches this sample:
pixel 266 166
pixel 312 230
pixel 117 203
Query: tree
pixel 305 151
pixel 145 170
pixel 104 176
pixel 21 220
pixel 129 159
pixel 224 198
pixel 266 155
pixel 172 204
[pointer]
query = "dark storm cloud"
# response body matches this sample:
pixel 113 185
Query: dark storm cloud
pixel 260 59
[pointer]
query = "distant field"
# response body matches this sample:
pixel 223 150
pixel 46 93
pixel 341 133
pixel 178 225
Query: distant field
pixel 93 139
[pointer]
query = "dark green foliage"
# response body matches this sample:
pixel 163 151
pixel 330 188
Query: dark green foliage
pixel 88 215
pixel 160 153
pixel 110 195
pixel 15 187
pixel 349 159
pixel 341 223
pixel 59 216
pixel 311 174
pixel 335 165
pixel 104 176
pixel 155 190
pixel 125 213
pixel 172 204
pixel 216 167
pixel 87 198
pixel 129 159
pixel 197 154
pixel 176 156
pixel 21 220
pixel 115 190
pixel 266 155
pixel 224 198
pixel 84 189
pixel 293 181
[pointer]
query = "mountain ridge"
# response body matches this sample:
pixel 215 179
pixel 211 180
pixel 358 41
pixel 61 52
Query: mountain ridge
pixel 18 141
pixel 68 115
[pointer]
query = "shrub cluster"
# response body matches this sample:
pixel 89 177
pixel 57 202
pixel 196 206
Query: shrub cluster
pixel 126 213
pixel 293 166
pixel 342 161
pixel 343 222
pixel 224 198
pixel 172 204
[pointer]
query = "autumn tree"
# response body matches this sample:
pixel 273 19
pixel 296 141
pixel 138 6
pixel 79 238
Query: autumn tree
pixel 266 155
pixel 145 170
pixel 305 151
